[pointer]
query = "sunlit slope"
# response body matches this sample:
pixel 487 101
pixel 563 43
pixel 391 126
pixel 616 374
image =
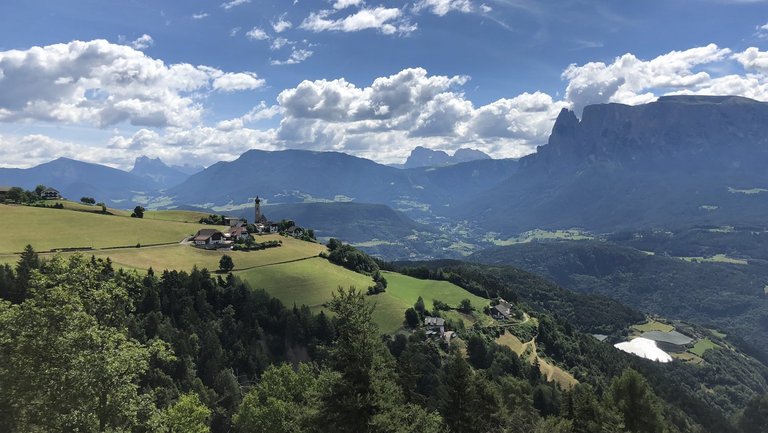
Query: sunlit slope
pixel 46 229
pixel 292 272
pixel 312 282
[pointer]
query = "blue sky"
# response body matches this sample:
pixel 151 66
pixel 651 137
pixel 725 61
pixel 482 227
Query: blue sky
pixel 199 81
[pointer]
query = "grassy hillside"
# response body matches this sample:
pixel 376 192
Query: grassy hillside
pixel 312 282
pixel 47 229
pixel 184 257
pixel 293 272
pixel 184 216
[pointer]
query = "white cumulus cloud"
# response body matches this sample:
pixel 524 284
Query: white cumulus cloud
pixel 396 113
pixel 343 4
pixel 281 25
pixel 257 34
pixel 753 59
pixel 101 83
pixel 385 20
pixel 143 42
pixel 279 43
pixel 632 80
pixel 231 82
pixel 297 56
pixel 442 7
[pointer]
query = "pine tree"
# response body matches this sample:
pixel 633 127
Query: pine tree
pixel 456 399
pixel 28 262
pixel 633 398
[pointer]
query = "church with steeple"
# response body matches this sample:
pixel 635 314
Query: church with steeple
pixel 259 217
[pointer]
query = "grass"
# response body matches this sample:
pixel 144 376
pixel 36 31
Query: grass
pixel 653 325
pixel 184 257
pixel 717 258
pixel 293 273
pixel 556 374
pixel 81 207
pixel 408 290
pixel 552 372
pixel 312 283
pixel 514 343
pixel 538 234
pixel 688 357
pixel 702 346
pixel 373 243
pixel 184 216
pixel 719 334
pixel 48 229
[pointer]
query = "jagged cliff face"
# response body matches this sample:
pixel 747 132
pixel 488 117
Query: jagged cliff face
pixel 679 161
pixel 158 172
pixel 706 131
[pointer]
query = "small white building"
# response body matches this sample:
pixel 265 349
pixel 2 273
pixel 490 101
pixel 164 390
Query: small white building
pixel 50 194
pixel 238 232
pixel 208 237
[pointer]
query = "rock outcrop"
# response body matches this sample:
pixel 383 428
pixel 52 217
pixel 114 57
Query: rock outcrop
pixel 678 161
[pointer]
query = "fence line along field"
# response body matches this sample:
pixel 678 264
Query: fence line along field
pixel 184 257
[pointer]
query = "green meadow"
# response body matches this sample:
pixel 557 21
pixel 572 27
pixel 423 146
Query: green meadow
pixel 48 229
pixel 293 272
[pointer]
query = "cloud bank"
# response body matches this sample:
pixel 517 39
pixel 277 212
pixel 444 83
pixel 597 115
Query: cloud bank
pixel 100 84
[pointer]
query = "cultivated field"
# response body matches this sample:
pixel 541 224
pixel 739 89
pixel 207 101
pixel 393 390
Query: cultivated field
pixel 653 325
pixel 702 346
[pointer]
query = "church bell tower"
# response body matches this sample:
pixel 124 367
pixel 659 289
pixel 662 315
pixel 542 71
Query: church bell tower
pixel 257 208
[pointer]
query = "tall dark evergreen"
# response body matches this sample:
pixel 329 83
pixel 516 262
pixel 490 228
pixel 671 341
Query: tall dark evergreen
pixel 636 402
pixel 456 403
pixel 28 262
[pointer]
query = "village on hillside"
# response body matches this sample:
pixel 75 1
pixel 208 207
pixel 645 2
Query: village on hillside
pixel 239 234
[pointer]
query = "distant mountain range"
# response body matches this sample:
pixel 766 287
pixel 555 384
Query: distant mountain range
pixel 162 175
pixel 75 179
pixel 678 161
pixel 423 157
pixel 294 176
pixel 350 221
